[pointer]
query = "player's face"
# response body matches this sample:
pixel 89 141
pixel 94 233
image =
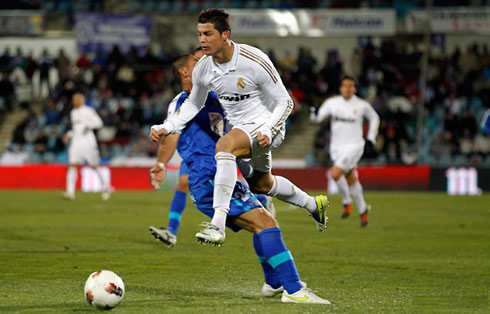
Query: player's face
pixel 210 39
pixel 77 100
pixel 347 89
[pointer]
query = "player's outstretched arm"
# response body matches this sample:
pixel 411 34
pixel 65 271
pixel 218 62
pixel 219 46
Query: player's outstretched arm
pixel 166 150
pixel 322 113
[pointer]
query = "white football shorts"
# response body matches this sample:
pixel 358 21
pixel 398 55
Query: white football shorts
pixel 79 153
pixel 347 157
pixel 261 159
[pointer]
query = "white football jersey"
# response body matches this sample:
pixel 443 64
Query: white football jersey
pixel 248 86
pixel 84 118
pixel 346 120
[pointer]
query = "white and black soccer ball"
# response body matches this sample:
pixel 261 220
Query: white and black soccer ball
pixel 104 289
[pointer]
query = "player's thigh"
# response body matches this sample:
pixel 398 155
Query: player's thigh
pixel 92 156
pixel 75 155
pixel 235 142
pixel 351 177
pixel 255 220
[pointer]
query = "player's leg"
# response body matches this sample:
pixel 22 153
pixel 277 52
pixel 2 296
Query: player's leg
pixel 357 193
pixel 280 272
pixel 262 181
pixel 169 235
pixel 74 159
pixel 339 177
pixel 71 181
pixel 92 156
pixel 234 143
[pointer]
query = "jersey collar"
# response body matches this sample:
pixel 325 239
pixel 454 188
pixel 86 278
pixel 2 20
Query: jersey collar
pixel 232 63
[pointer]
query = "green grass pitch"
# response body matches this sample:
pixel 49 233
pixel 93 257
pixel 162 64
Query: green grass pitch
pixel 422 252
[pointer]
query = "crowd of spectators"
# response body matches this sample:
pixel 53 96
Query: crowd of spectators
pixel 131 90
pixel 458 92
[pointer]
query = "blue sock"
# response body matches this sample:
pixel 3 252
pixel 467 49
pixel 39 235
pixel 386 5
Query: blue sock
pixel 279 258
pixel 271 277
pixel 176 210
pixel 262 199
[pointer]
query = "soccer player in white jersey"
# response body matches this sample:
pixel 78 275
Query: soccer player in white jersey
pixel 256 104
pixel 347 113
pixel 83 147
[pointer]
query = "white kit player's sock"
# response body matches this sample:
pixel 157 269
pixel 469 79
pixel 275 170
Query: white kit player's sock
pixel 344 190
pixel 356 191
pixel 105 185
pixel 224 183
pixel 286 191
pixel 71 180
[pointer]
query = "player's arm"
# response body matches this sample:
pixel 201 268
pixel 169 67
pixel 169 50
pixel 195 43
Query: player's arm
pixel 166 149
pixel 373 119
pixel 93 121
pixel 272 86
pixel 322 113
pixel 69 134
pixel 189 109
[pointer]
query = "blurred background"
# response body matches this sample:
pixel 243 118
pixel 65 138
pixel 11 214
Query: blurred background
pixel 423 65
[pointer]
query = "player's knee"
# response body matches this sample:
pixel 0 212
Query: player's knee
pixel 336 173
pixel 264 221
pixel 182 185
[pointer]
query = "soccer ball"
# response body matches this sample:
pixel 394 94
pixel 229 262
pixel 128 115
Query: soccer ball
pixel 104 289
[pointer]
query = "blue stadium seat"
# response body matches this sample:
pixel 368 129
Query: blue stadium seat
pixel 35 158
pixel 49 157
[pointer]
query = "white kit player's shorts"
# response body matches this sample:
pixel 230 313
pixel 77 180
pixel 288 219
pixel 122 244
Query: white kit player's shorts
pixel 347 157
pixel 79 153
pixel 261 159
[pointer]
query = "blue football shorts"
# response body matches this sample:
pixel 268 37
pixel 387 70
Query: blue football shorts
pixel 242 200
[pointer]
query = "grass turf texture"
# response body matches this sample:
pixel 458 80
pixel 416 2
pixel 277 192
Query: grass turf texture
pixel 420 253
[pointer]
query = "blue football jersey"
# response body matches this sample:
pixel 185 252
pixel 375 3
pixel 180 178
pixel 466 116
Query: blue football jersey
pixel 197 142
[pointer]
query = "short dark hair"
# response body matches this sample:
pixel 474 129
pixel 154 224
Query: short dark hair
pixel 348 77
pixel 219 19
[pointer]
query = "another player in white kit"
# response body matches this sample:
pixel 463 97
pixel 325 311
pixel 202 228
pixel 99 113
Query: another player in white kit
pixel 347 113
pixel 83 147
pixel 256 104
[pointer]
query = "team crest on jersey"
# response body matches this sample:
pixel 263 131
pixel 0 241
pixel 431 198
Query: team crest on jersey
pixel 217 123
pixel 240 83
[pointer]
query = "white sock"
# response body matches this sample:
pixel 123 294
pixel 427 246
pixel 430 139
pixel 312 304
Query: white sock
pixel 71 180
pixel 224 183
pixel 105 186
pixel 286 191
pixel 356 191
pixel 344 190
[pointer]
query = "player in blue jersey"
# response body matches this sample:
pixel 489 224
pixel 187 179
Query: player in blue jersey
pixel 196 146
pixel 166 149
pixel 485 122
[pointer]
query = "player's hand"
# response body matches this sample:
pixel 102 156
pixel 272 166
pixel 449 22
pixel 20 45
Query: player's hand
pixel 263 139
pixel 66 139
pixel 155 135
pixel 157 173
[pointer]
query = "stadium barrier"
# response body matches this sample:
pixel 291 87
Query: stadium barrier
pixel 387 177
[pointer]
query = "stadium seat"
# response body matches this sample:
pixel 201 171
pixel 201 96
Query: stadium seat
pixel 49 157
